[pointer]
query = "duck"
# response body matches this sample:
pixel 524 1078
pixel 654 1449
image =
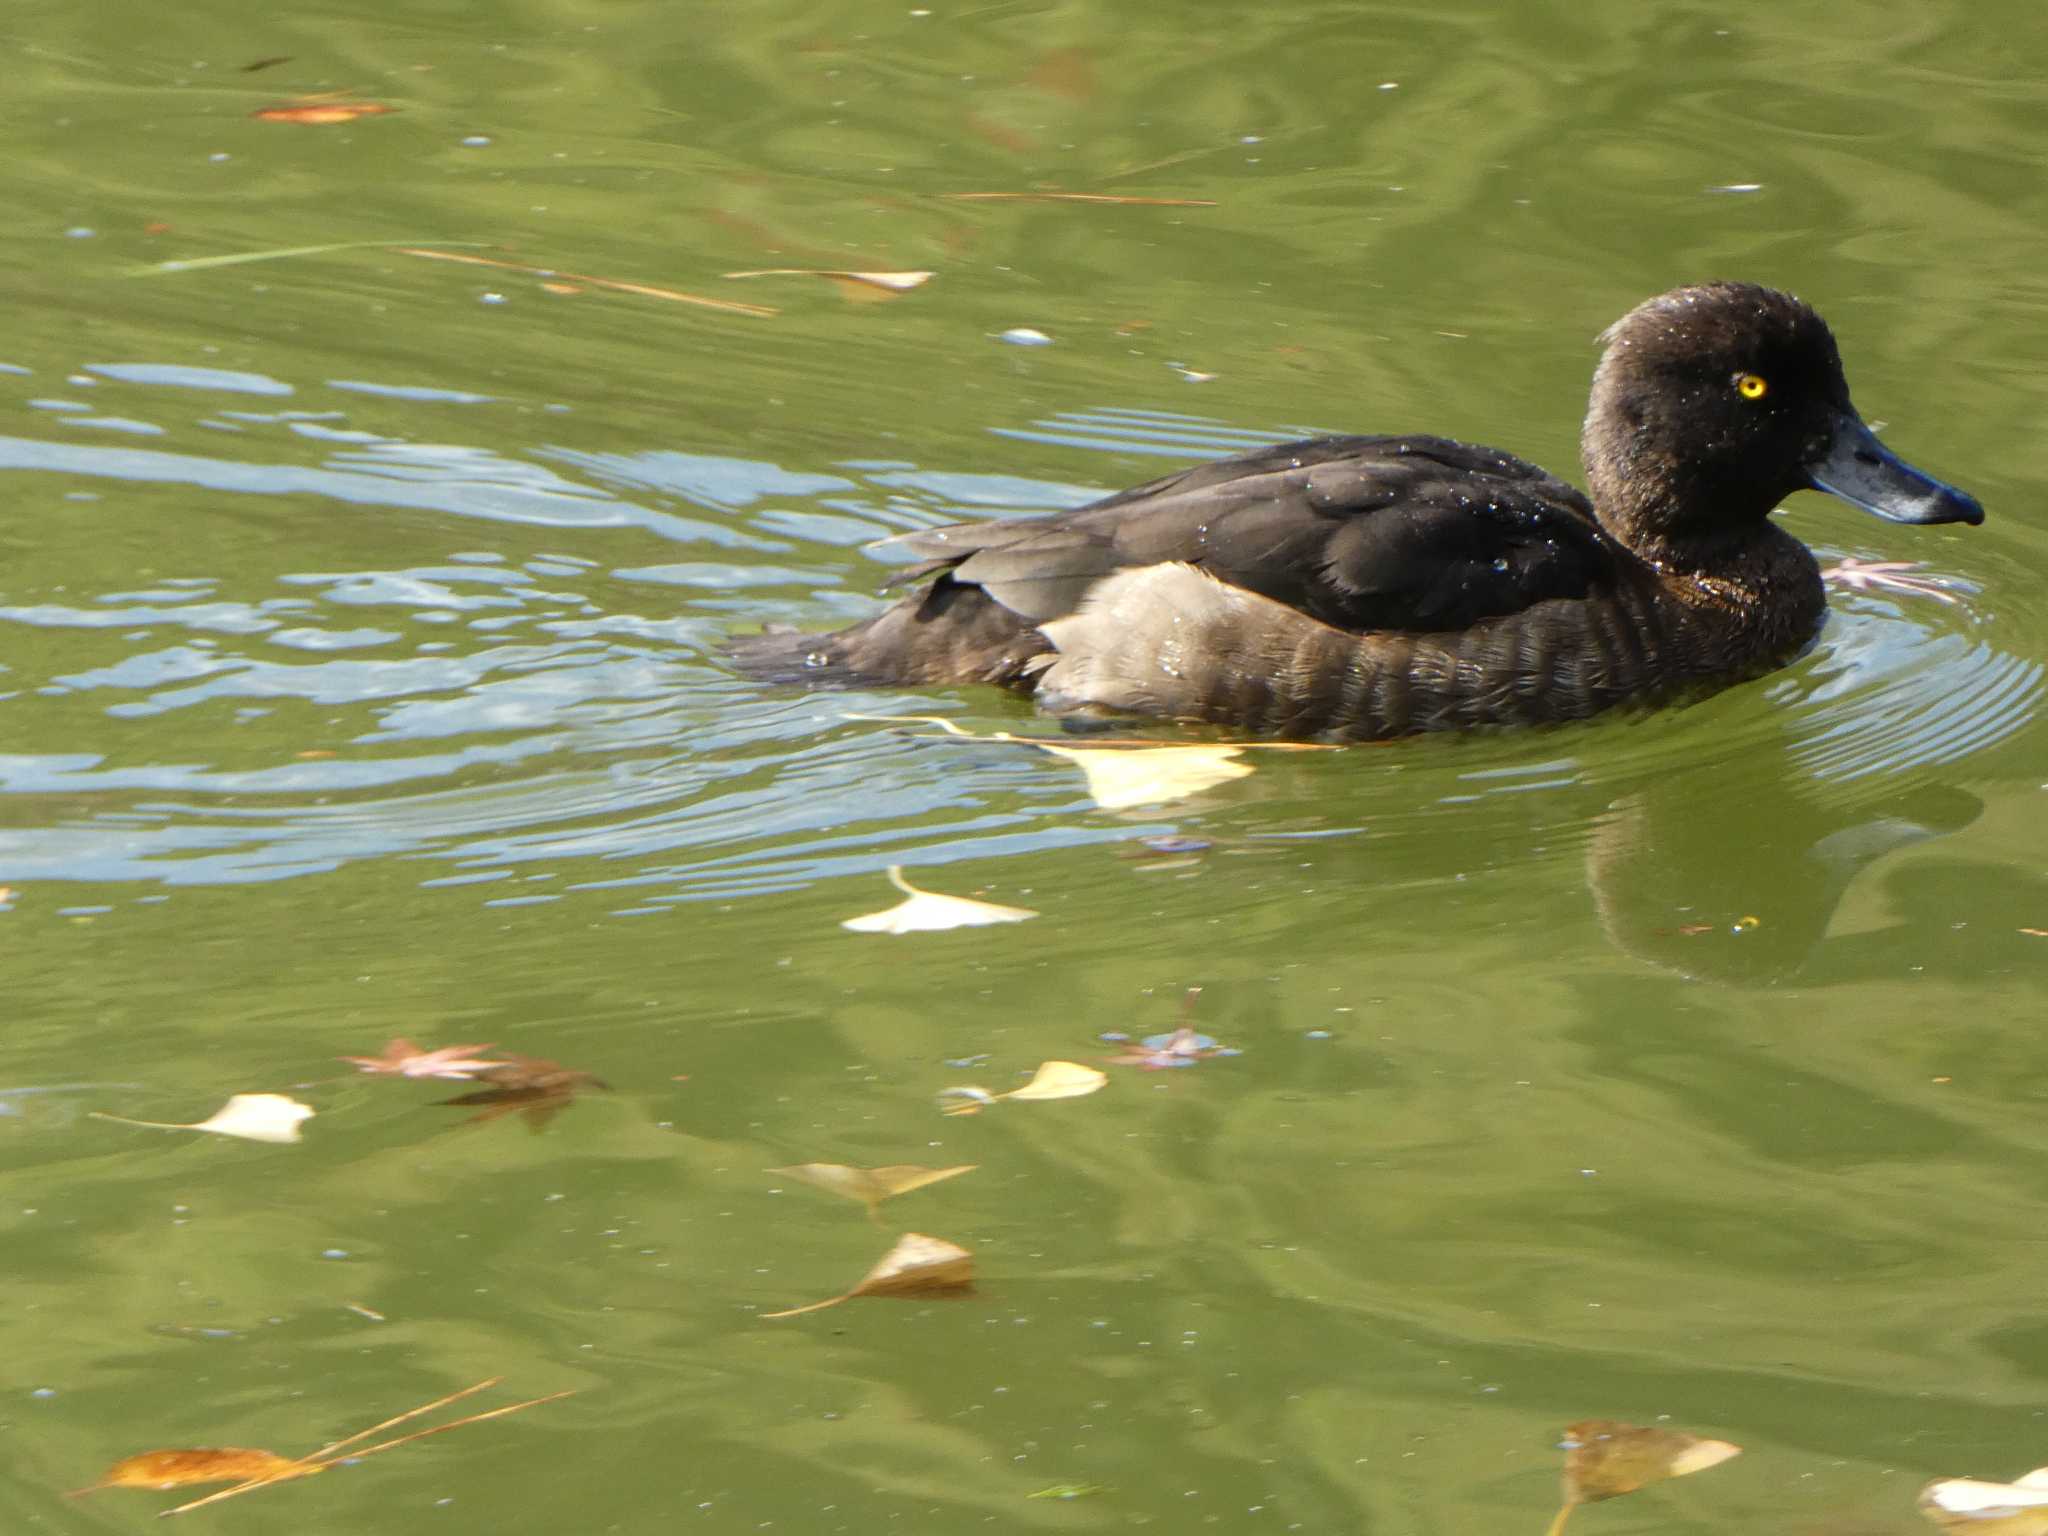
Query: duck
pixel 1361 588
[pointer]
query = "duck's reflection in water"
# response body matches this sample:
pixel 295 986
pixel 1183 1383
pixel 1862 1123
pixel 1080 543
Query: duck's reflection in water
pixel 1747 891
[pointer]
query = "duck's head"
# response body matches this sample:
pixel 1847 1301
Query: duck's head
pixel 1714 403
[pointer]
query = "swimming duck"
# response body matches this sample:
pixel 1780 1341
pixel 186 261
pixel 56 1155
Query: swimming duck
pixel 1357 588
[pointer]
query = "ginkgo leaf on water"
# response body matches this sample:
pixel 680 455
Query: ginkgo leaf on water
pixel 1605 1458
pixel 1052 1080
pixel 930 912
pixel 1123 774
pixel 251 1116
pixel 870 1186
pixel 2017 1508
pixel 917 1266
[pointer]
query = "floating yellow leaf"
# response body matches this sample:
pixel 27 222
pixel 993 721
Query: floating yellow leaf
pixel 2017 1508
pixel 917 1266
pixel 1605 1458
pixel 929 912
pixel 1052 1080
pixel 1121 777
pixel 1060 1080
pixel 1122 774
pixel 870 1186
pixel 251 1116
pixel 190 1468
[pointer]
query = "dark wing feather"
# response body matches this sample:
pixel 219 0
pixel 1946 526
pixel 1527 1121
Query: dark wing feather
pixel 1364 533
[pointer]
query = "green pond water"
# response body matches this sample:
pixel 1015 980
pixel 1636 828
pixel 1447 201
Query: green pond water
pixel 361 620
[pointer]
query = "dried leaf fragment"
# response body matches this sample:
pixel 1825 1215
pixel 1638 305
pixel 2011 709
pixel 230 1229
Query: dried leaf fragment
pixel 870 1186
pixel 321 113
pixel 892 282
pixel 528 1086
pixel 930 912
pixel 191 1468
pixel 1605 1458
pixel 2017 1508
pixel 402 1058
pixel 270 1117
pixel 917 1266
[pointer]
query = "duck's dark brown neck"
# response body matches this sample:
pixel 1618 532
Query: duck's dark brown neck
pixel 1759 566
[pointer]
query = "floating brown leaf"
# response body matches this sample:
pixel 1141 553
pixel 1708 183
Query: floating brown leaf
pixel 930 912
pixel 190 1468
pixel 2017 1508
pixel 250 1116
pixel 554 275
pixel 536 1090
pixel 870 1186
pixel 1052 1080
pixel 402 1058
pixel 917 1266
pixel 1605 1458
pixel 320 114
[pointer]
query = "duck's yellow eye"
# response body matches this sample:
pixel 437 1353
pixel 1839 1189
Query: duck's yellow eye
pixel 1751 386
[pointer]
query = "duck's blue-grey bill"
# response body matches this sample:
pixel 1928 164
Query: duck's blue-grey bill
pixel 1863 472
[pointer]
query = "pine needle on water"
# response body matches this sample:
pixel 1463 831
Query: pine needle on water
pixel 326 1457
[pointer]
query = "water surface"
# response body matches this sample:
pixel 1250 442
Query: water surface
pixel 361 620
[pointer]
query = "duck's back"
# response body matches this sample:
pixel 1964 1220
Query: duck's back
pixel 1366 533
pixel 1363 534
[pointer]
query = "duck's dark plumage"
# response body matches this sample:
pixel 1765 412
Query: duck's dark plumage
pixel 1361 587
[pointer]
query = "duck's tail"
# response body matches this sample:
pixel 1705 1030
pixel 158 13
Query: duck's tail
pixel 783 653
pixel 951 632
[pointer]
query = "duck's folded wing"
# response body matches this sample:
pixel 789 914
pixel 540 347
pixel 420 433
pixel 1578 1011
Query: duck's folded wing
pixel 1412 533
